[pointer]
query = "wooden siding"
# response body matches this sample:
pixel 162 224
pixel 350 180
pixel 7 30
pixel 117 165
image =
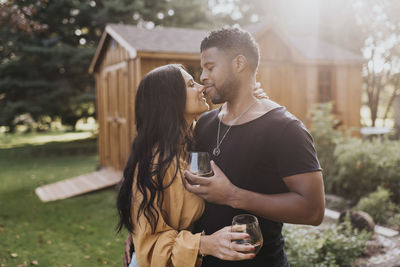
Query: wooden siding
pixel 272 48
pixel 147 64
pixel 348 96
pixel 295 85
pixel 283 80
pixel 287 85
pixel 114 53
pixel 113 106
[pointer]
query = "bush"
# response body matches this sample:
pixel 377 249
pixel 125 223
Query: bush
pixel 352 167
pixel 394 221
pixel 365 165
pixel 338 245
pixel 326 137
pixel 377 204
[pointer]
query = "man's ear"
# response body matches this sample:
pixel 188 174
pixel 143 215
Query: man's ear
pixel 239 63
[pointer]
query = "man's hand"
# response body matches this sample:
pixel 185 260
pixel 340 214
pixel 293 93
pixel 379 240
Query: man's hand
pixel 220 245
pixel 216 189
pixel 127 253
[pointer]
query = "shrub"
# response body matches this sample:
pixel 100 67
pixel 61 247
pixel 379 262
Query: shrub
pixel 326 137
pixel 377 204
pixel 339 245
pixel 353 167
pixel 365 165
pixel 394 221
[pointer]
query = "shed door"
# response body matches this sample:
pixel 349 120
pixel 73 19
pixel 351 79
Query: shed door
pixel 117 143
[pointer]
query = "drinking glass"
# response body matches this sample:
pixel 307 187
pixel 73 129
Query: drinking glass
pixel 247 223
pixel 199 163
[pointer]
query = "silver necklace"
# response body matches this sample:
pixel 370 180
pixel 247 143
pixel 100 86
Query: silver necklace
pixel 217 150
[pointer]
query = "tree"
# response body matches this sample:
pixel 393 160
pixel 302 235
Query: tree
pixel 44 69
pixel 381 24
pixel 20 17
pixel 333 21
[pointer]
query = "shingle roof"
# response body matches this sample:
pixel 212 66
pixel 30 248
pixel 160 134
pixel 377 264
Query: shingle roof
pixel 161 39
pixel 313 48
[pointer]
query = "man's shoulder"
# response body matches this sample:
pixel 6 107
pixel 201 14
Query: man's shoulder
pixel 280 117
pixel 207 117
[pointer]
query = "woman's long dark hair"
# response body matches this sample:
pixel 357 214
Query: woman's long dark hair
pixel 160 123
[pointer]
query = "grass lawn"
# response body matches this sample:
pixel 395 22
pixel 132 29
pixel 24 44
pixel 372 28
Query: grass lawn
pixel 71 232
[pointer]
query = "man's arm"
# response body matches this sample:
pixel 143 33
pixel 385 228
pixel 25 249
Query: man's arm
pixel 304 204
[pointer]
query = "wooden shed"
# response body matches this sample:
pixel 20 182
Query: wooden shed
pixel 296 72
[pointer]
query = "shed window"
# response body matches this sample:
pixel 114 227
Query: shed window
pixel 324 85
pixel 113 44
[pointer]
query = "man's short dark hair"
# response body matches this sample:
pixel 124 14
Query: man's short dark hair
pixel 236 41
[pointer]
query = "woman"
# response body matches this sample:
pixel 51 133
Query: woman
pixel 152 202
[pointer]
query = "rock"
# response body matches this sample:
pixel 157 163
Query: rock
pixel 359 219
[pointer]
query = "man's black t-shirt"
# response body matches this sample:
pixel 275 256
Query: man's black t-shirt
pixel 255 156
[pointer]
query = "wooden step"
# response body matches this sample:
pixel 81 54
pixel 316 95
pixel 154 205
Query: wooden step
pixel 81 184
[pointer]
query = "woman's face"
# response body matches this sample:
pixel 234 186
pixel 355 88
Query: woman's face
pixel 195 100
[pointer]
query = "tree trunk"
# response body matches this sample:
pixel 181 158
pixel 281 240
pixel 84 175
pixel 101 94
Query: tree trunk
pixel 396 111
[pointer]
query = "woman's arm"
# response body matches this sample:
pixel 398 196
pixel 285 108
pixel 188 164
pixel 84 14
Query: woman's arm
pixel 169 243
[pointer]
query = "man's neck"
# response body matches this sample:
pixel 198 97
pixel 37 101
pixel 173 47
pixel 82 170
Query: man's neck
pixel 235 107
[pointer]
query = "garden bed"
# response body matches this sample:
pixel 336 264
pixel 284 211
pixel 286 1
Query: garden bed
pixel 383 249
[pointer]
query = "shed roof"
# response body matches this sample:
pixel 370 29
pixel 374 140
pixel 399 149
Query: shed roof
pixel 161 39
pixel 187 41
pixel 313 48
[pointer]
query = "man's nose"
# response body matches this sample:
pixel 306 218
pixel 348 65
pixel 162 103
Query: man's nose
pixel 203 76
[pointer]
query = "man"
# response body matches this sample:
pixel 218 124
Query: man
pixel 264 161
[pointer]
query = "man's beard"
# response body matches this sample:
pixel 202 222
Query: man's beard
pixel 226 91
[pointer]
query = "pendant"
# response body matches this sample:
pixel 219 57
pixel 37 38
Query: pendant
pixel 216 151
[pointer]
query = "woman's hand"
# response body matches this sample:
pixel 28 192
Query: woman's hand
pixel 259 92
pixel 127 253
pixel 220 245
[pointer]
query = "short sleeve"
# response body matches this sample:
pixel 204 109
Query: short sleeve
pixel 295 151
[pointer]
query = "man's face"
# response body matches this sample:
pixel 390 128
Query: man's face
pixel 217 76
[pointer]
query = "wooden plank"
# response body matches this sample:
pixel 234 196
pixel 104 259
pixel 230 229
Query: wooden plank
pixel 79 185
pixel 355 89
pixel 131 96
pixel 113 114
pixel 115 67
pixel 162 56
pixel 100 116
pixel 124 114
pixel 341 86
pixel 107 138
pixel 121 118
